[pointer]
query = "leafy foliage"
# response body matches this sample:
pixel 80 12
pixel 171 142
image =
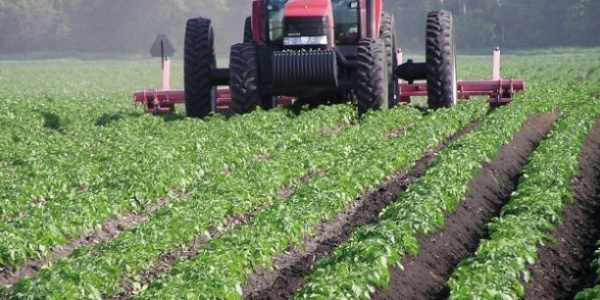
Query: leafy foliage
pixel 241 252
pixel 107 171
pixel 499 266
pixel 361 264
pixel 76 153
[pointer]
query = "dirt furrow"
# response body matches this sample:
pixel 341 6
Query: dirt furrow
pixel 292 266
pixel 109 230
pixel 167 260
pixel 424 276
pixel 563 266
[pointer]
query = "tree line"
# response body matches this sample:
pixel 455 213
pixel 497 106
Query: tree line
pixel 116 26
pixel 511 23
pixel 129 26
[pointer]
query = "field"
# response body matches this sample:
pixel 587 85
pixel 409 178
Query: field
pixel 101 201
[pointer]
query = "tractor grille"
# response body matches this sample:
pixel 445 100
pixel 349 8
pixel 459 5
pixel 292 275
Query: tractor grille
pixel 305 68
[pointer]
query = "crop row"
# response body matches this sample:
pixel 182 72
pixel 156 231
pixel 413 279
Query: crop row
pixel 500 263
pixel 592 293
pixel 360 265
pixel 224 264
pixel 72 160
pixel 209 205
pixel 63 186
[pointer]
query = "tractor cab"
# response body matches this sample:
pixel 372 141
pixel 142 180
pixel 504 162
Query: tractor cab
pixel 314 24
pixel 346 22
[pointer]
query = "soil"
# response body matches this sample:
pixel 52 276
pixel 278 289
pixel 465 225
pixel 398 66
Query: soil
pixel 295 264
pixel 425 275
pixel 563 266
pixel 330 131
pixel 167 260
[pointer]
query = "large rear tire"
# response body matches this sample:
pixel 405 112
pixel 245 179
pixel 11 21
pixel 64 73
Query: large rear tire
pixel 243 78
pixel 371 82
pixel 387 33
pixel 248 30
pixel 199 61
pixel 441 60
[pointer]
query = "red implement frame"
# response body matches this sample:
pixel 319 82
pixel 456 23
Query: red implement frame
pixel 160 102
pixel 500 91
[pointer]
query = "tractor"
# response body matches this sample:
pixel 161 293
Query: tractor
pixel 317 52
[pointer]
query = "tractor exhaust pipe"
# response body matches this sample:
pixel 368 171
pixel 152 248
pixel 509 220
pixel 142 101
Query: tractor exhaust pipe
pixel 371 19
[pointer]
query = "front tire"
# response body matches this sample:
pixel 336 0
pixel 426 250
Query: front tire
pixel 199 61
pixel 441 60
pixel 243 78
pixel 371 76
pixel 387 33
pixel 248 30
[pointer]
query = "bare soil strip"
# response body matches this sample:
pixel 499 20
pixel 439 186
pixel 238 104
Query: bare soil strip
pixel 109 230
pixel 292 266
pixel 167 260
pixel 563 268
pixel 425 275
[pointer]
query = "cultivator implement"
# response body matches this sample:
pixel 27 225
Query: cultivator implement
pixel 162 101
pixel 318 52
pixel 499 91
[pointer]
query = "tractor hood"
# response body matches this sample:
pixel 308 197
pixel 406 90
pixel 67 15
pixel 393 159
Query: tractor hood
pixel 308 23
pixel 307 8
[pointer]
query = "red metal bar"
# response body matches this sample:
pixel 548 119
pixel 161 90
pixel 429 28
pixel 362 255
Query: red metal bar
pixel 467 89
pixel 166 83
pixel 163 101
pixel 223 100
pixel 496 64
pixel 498 90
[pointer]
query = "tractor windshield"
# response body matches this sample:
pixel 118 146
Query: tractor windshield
pixel 345 17
pixel 275 9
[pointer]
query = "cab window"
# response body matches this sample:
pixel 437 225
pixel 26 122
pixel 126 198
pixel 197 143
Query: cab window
pixel 345 17
pixel 275 10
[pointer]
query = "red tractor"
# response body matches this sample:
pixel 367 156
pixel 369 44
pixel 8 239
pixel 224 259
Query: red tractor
pixel 316 52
